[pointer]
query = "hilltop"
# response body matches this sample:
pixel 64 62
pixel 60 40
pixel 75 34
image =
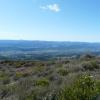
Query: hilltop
pixel 63 79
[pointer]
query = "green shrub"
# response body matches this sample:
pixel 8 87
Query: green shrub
pixel 31 96
pixel 4 78
pixel 63 72
pixel 84 88
pixel 18 64
pixel 39 68
pixel 42 82
pixel 92 65
pixel 87 57
pixel 21 74
pixel 95 64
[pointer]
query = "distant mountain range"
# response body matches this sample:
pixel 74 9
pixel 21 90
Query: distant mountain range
pixel 21 49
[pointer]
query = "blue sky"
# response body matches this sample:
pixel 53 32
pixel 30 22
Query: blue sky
pixel 52 20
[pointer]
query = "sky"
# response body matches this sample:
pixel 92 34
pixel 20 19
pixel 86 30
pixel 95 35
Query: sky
pixel 50 20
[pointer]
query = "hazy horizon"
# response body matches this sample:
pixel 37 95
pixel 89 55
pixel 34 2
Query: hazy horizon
pixel 52 20
pixel 48 41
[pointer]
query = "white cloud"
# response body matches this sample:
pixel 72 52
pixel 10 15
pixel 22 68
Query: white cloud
pixel 51 7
